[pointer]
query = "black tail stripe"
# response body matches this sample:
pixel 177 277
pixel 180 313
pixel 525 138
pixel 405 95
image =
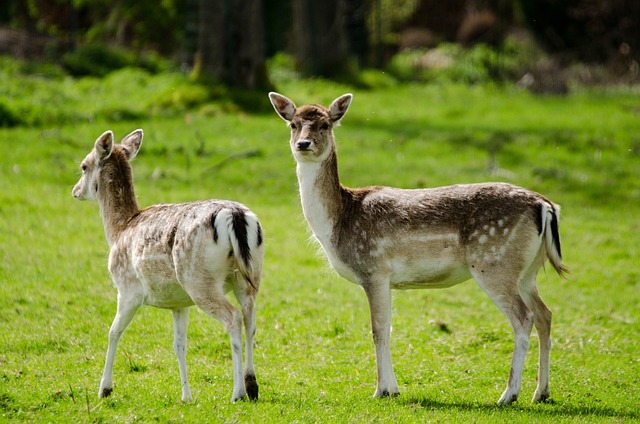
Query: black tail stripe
pixel 240 229
pixel 555 233
pixel 259 234
pixel 539 218
pixel 213 225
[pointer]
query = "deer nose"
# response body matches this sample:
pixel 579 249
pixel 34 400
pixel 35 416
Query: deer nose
pixel 303 144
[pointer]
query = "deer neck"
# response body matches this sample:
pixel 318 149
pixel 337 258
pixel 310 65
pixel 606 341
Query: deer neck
pixel 321 195
pixel 118 203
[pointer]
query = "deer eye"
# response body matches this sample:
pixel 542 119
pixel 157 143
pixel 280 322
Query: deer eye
pixel 293 126
pixel 324 127
pixel 83 167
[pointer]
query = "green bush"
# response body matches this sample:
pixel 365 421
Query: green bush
pixel 97 60
pixel 282 68
pixel 183 96
pixel 33 94
pixel 454 63
pixel 8 118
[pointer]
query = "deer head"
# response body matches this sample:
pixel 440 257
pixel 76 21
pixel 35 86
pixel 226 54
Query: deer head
pixel 311 125
pixel 106 160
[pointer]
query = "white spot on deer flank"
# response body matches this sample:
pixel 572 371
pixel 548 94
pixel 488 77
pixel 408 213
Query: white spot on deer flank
pixel 482 239
pixel 381 245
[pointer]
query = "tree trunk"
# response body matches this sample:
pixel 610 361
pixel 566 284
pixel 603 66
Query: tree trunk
pixel 231 42
pixel 211 38
pixel 319 37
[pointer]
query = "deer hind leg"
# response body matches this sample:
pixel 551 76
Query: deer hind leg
pixel 180 324
pixel 246 297
pixel 542 320
pixel 504 293
pixel 128 305
pixel 213 302
pixel 379 296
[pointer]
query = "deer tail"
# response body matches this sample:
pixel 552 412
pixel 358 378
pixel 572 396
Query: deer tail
pixel 550 227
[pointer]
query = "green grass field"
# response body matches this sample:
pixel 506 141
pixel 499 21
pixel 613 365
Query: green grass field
pixel 315 360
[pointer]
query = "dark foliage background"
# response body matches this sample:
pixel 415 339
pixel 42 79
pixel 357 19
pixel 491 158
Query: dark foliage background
pixel 230 40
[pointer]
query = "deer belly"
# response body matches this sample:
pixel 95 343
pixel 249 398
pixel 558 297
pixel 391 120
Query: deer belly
pixel 161 287
pixel 168 295
pixel 427 274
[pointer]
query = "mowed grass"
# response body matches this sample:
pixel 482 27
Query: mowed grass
pixel 314 354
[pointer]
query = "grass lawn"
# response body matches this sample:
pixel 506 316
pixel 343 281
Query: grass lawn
pixel 315 359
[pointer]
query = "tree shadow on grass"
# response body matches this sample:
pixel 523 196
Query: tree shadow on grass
pixel 550 409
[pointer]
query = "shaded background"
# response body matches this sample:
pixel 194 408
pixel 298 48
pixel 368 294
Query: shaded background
pixel 231 40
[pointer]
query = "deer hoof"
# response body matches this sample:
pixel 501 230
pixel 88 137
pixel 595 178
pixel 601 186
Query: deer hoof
pixel 106 392
pixel 252 386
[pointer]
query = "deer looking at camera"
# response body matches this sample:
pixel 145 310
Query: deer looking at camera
pixel 173 256
pixel 384 238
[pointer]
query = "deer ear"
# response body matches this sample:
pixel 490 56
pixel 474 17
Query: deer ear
pixel 285 107
pixel 104 145
pixel 339 107
pixel 131 143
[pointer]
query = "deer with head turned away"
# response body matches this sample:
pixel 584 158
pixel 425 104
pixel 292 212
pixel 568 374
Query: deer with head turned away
pixel 173 256
pixel 384 238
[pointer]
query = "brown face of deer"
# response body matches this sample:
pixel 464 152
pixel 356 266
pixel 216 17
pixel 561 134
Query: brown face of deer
pixel 311 125
pixel 311 133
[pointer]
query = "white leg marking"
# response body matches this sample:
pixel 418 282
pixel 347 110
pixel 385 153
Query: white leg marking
pixel 180 325
pixel 249 316
pixel 235 334
pixel 542 320
pixel 505 295
pixel 379 297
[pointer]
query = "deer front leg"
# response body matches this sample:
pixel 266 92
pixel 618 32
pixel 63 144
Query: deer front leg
pixel 127 306
pixel 180 324
pixel 379 296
